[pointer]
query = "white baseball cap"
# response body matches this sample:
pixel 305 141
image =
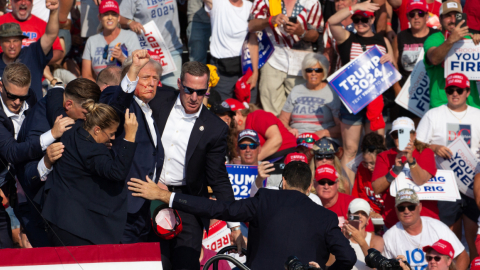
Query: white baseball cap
pixel 359 205
pixel 402 122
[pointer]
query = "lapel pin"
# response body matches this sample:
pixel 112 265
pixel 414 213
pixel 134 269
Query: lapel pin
pixel 201 128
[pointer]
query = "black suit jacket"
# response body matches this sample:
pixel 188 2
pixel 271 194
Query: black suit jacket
pixel 282 223
pixel 89 198
pixel 206 150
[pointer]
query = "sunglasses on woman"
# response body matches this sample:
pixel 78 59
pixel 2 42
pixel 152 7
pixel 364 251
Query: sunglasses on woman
pixel 317 70
pixel 356 20
pixel 324 182
pixel 244 146
pixel 420 13
pixel 411 208
pixel 306 140
pixel 14 97
pixel 436 258
pixel 322 157
pixel 451 90
pixel 190 91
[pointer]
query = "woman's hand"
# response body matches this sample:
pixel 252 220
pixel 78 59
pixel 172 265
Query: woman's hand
pixel 118 54
pixel 386 58
pixel 398 159
pixel 353 233
pixel 409 151
pixel 294 131
pixel 264 169
pixel 136 27
pixel 131 126
pixel 366 6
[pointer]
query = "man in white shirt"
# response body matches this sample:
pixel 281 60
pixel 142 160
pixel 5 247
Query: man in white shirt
pixel 438 128
pixel 413 232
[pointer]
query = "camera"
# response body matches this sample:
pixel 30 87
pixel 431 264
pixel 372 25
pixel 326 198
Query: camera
pixel 374 259
pixel 293 263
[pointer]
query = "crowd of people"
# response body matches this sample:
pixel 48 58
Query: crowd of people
pixel 90 122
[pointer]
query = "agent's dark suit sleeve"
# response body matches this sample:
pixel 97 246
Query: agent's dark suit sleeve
pixel 99 162
pixel 216 172
pixel 54 105
pixel 15 152
pixel 338 245
pixel 242 210
pixel 119 100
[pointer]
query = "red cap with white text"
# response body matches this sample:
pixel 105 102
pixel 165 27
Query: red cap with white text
pixel 443 247
pixel 362 13
pixel 326 172
pixel 475 265
pixel 457 79
pixel 235 104
pixel 109 5
pixel 417 4
pixel 295 157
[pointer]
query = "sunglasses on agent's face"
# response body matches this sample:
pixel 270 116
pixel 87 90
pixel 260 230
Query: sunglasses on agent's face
pixel 420 13
pixel 324 182
pixel 305 140
pixel 317 70
pixel 451 90
pixel 436 258
pixel 356 20
pixel 244 146
pixel 15 97
pixel 190 91
pixel 411 208
pixel 322 156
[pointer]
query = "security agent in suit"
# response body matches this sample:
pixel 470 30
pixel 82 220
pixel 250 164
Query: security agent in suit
pixel 194 141
pixel 134 93
pixel 17 100
pixel 64 106
pixel 282 222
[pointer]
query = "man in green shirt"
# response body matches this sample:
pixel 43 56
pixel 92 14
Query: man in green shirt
pixel 436 49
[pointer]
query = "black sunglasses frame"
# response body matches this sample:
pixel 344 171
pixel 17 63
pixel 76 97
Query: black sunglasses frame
pixel 323 182
pixel 324 156
pixel 411 208
pixel 450 90
pixel 12 96
pixel 243 146
pixel 420 13
pixel 356 20
pixel 436 258
pixel 317 70
pixel 190 91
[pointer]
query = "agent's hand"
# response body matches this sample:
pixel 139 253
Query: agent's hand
pixel 458 33
pixel 139 59
pixel 314 264
pixel 294 28
pixel 137 27
pixel 61 125
pixel 54 152
pixel 443 152
pixel 52 4
pixel 118 54
pixel 131 126
pixel 264 169
pixel 148 190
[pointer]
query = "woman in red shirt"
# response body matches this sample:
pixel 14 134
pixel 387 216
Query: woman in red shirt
pixel 372 145
pixel 275 139
pixel 417 158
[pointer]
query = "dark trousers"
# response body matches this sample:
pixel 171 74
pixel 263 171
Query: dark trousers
pixel 5 229
pixel 138 226
pixel 59 238
pixel 33 224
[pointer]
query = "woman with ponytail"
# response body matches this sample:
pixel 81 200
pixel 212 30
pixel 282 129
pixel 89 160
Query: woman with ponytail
pixel 87 205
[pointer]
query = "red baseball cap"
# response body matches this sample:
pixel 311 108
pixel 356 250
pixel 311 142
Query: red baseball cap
pixel 108 5
pixel 441 246
pixel 326 172
pixel 296 157
pixel 365 14
pixel 235 104
pixel 475 265
pixel 302 140
pixel 417 4
pixel 242 88
pixel 457 79
pixel 166 221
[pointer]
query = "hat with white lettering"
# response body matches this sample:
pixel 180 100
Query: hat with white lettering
pixel 402 122
pixel 307 140
pixel 475 265
pixel 406 195
pixel 457 79
pixel 295 157
pixel 441 246
pixel 359 205
pixel 236 105
pixel 248 134
pixel 449 6
pixel 326 172
pixel 108 5
pixel 417 4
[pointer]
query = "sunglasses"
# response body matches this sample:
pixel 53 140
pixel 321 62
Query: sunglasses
pixel 327 156
pixel 451 90
pixel 190 91
pixel 324 182
pixel 402 208
pixel 105 52
pixel 356 20
pixel 317 70
pixel 420 13
pixel 252 146
pixel 436 258
pixel 14 97
pixel 307 140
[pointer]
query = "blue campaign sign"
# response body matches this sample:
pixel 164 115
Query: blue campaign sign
pixel 363 79
pixel 241 177
pixel 265 50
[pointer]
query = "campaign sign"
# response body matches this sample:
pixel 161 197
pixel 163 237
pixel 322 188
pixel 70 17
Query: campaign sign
pixel 463 164
pixel 363 79
pixel 265 50
pixel 241 177
pixel 463 58
pixel 153 41
pixel 415 93
pixel 218 236
pixel 442 187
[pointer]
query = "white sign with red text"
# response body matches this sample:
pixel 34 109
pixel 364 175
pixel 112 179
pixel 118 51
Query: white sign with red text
pixel 153 41
pixel 218 236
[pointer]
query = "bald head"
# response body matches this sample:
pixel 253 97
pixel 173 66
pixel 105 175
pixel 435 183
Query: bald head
pixel 109 76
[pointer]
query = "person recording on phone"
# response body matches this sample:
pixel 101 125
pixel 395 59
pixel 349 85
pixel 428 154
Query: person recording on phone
pixel 409 155
pixel 307 230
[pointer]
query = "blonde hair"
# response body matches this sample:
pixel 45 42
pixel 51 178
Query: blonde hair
pixel 251 108
pixel 99 114
pixel 17 74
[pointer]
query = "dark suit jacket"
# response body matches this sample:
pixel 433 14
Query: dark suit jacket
pixel 206 150
pixel 146 155
pixel 89 195
pixel 282 223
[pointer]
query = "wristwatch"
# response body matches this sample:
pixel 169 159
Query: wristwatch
pixel 413 164
pixel 303 35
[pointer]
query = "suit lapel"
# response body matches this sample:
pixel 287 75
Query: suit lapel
pixel 145 121
pixel 7 121
pixel 161 112
pixel 197 133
